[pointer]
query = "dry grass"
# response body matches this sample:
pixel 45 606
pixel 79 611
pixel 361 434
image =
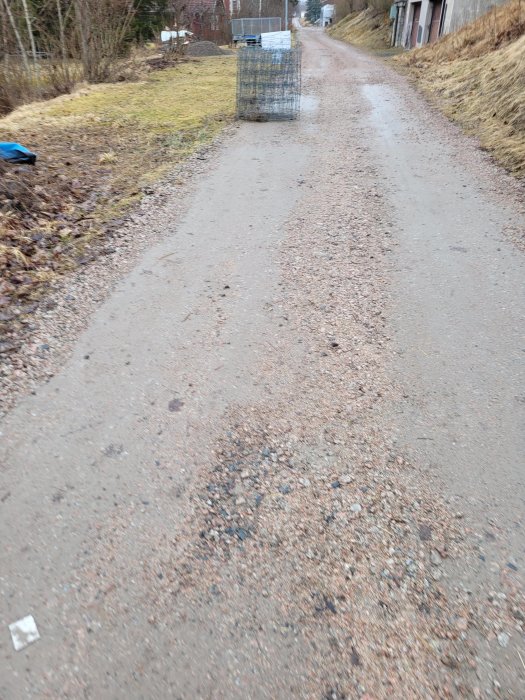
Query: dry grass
pixel 370 29
pixel 98 149
pixel 494 30
pixel 477 77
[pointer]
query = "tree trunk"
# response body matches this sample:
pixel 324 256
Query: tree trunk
pixel 31 35
pixel 18 37
pixel 83 30
pixel 62 33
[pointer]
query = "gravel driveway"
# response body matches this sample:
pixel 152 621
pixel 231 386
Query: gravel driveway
pixel 279 448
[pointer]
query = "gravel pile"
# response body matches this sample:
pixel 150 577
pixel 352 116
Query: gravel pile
pixel 206 48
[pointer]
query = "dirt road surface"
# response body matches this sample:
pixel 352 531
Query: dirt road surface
pixel 285 457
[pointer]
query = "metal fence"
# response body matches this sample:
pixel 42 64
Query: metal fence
pixel 254 26
pixel 268 83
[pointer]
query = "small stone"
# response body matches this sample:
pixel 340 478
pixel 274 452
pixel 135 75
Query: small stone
pixel 285 488
pixel 355 508
pixel 336 484
pixel 355 659
pixel 240 500
pixel 425 532
pixel 449 660
pixel 241 533
pixel 462 624
pixel 503 639
pixel 245 474
pixel 435 557
pixel 175 405
pixel 345 479
pixel 6 346
pixel 330 605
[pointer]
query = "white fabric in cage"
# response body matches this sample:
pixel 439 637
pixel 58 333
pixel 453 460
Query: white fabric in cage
pixel 276 40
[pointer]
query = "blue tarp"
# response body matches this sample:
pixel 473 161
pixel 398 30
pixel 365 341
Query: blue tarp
pixel 15 153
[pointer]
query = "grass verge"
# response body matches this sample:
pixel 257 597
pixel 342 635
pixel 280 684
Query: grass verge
pixel 98 149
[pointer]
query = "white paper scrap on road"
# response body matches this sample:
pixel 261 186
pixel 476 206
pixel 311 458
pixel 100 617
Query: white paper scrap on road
pixel 24 632
pixel 276 40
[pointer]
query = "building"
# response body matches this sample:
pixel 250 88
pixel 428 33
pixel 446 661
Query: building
pixel 418 22
pixel 327 16
pixel 208 20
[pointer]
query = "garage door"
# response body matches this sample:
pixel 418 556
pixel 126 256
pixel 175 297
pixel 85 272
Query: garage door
pixel 436 19
pixel 416 13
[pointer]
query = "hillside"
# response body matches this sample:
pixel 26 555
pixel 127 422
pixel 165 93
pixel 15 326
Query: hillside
pixel 369 29
pixel 476 76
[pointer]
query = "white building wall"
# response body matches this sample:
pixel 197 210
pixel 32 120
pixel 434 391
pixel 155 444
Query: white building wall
pixel 461 12
pixel 457 14
pixel 327 15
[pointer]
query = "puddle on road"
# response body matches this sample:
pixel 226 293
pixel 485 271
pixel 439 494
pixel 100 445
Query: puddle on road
pixel 382 100
pixel 309 106
pixel 309 103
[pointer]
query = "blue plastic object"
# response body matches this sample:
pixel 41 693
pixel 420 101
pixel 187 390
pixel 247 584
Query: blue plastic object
pixel 16 153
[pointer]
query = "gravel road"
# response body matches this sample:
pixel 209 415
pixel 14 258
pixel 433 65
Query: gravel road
pixel 274 447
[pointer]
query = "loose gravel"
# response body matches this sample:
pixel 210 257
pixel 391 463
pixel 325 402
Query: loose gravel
pixel 313 546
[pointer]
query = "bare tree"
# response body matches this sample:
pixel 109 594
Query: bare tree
pixel 17 34
pixel 30 34
pixel 178 18
pixel 103 27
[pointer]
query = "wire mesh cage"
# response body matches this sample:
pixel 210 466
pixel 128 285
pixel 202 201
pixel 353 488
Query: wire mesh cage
pixel 268 83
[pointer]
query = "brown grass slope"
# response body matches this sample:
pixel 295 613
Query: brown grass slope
pixel 370 29
pixel 477 77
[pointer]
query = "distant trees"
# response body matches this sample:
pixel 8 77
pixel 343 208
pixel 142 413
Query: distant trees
pixel 150 17
pixel 313 10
